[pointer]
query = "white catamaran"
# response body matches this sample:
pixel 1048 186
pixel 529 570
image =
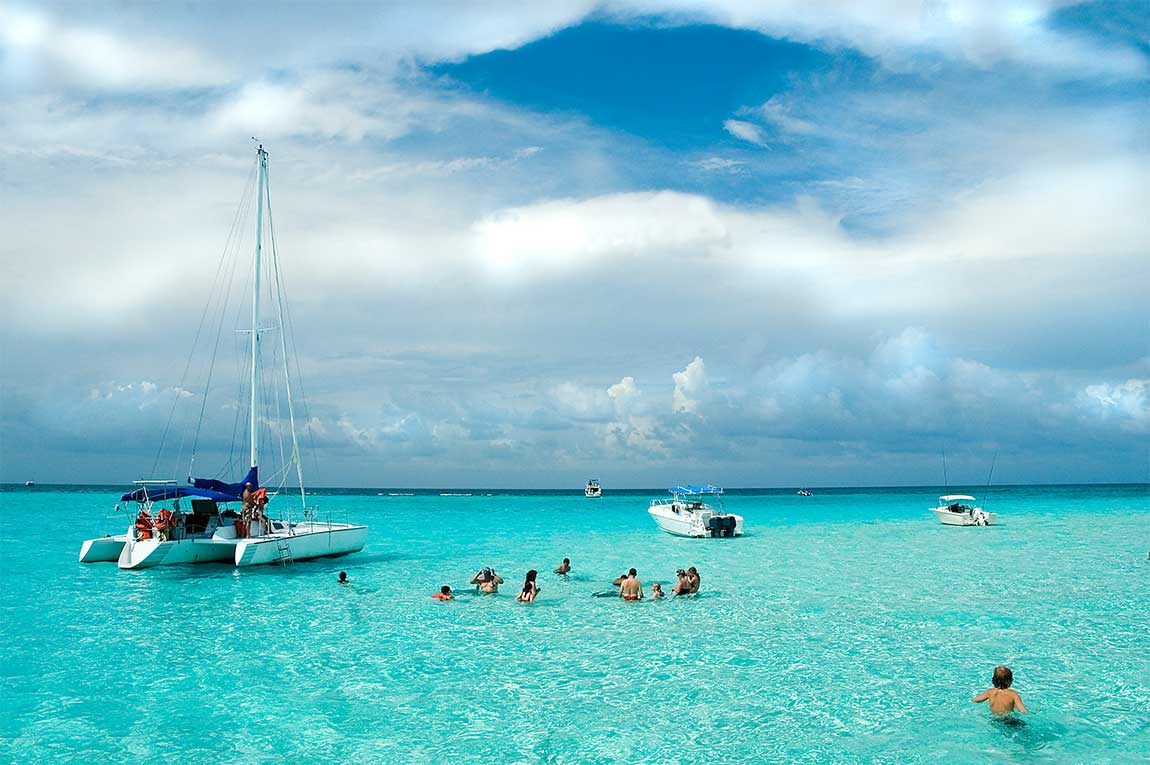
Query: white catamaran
pixel 211 520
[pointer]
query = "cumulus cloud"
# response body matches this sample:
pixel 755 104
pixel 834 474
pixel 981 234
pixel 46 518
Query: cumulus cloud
pixel 690 384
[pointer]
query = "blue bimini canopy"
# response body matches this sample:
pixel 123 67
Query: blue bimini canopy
pixel 234 489
pixel 161 493
pixel 707 489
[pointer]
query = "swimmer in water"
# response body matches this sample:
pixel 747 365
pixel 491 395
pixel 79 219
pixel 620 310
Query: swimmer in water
pixel 631 588
pixel 1002 699
pixel 693 579
pixel 530 589
pixel 444 593
pixel 683 586
pixel 564 567
pixel 343 578
pixel 656 591
pixel 488 581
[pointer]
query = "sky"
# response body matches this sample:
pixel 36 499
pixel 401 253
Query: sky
pixel 758 243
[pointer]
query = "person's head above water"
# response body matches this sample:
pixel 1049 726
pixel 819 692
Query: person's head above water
pixel 1003 677
pixel 342 577
pixel 632 572
pixel 566 561
pixel 445 590
pixel 531 575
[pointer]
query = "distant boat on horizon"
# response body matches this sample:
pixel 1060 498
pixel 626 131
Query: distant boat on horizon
pixel 593 490
pixel 29 483
pixel 803 493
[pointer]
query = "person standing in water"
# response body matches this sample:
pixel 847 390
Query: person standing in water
pixel 1002 699
pixel 564 567
pixel 693 580
pixel 631 588
pixel 343 578
pixel 530 589
pixel 656 590
pixel 683 586
pixel 488 581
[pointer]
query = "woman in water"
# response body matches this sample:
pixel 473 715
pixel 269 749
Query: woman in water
pixel 530 589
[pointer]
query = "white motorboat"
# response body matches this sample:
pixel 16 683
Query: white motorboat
pixel 686 514
pixel 592 489
pixel 960 510
pixel 803 493
pixel 232 522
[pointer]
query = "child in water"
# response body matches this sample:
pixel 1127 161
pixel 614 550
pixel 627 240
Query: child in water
pixel 656 590
pixel 444 593
pixel 1002 699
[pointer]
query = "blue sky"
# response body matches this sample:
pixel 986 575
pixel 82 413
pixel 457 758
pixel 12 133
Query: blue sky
pixel 647 241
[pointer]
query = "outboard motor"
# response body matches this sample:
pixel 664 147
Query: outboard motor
pixel 721 525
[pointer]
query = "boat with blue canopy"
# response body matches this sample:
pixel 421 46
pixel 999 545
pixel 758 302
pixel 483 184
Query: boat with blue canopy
pixel 689 513
pixel 216 520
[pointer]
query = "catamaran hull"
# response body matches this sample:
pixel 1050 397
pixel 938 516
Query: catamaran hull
pixel 305 542
pixel 147 553
pixel 951 518
pixel 103 549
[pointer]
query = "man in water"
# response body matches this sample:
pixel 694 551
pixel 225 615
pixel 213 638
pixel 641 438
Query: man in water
pixel 631 588
pixel 488 581
pixel 683 585
pixel 1002 699
pixel 693 580
pixel 343 578
pixel 444 593
pixel 564 567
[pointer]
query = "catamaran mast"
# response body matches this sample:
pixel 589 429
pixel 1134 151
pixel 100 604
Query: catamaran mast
pixel 262 160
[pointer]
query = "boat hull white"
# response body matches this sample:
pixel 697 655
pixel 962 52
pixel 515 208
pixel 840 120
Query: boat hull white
pixel 689 524
pixel 950 518
pixel 306 540
pixel 103 549
pixel 148 553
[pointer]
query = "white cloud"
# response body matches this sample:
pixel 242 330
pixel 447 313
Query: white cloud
pixel 690 385
pixel 745 131
pixel 1128 403
pixel 39 49
pixel 563 234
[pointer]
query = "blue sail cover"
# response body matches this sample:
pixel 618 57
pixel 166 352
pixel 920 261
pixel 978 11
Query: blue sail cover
pixel 161 493
pixel 707 489
pixel 206 488
pixel 234 489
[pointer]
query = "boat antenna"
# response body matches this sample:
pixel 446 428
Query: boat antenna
pixel 986 492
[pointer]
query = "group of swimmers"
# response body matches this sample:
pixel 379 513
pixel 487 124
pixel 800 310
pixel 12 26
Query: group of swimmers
pixel 1003 700
pixel 487 582
pixel 630 588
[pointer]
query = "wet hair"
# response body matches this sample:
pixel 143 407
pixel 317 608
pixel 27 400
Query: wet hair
pixel 343 576
pixel 531 576
pixel 1003 677
pixel 445 589
pixel 566 560
pixel 632 572
pixel 692 570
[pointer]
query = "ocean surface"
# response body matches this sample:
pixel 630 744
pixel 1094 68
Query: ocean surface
pixel 845 627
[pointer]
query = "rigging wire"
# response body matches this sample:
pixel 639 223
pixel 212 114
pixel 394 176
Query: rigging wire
pixel 232 233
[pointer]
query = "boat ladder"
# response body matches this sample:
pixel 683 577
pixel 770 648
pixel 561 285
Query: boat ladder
pixel 285 556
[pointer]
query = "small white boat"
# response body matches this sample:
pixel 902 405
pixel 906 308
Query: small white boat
pixel 803 493
pixel 592 489
pixel 686 514
pixel 960 510
pixel 29 483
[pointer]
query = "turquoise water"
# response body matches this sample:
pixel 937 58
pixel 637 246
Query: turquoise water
pixel 845 627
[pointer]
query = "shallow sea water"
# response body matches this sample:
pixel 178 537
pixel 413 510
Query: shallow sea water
pixel 845 627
